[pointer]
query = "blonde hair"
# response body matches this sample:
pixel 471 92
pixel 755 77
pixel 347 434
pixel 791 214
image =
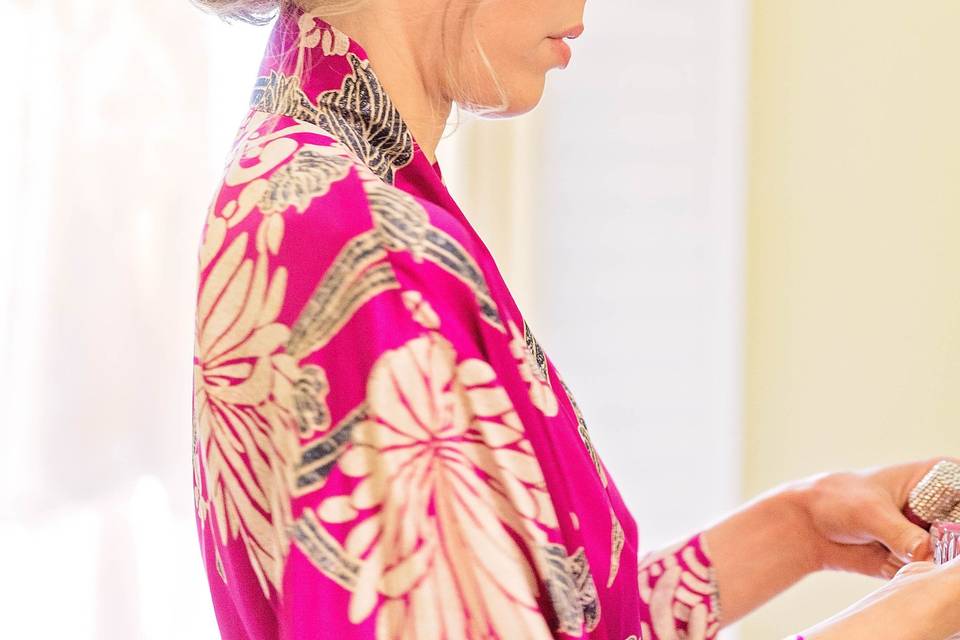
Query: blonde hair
pixel 261 12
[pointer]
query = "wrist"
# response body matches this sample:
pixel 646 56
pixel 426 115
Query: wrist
pixel 760 550
pixel 794 506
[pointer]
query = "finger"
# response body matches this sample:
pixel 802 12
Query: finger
pixel 915 568
pixel 891 565
pixel 934 496
pixel 902 478
pixel 865 559
pixel 904 539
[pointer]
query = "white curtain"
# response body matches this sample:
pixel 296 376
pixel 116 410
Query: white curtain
pixel 118 116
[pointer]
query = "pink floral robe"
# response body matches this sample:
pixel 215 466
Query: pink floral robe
pixel 382 450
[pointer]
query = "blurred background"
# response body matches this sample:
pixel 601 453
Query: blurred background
pixel 733 224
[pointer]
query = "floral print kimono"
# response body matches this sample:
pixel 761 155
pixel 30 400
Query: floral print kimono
pixel 381 448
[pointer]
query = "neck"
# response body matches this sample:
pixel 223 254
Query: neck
pixel 405 65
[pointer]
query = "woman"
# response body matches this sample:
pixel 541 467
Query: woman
pixel 381 447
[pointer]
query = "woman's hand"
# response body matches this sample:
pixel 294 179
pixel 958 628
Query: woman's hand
pixel 920 603
pixel 856 519
pixel 850 521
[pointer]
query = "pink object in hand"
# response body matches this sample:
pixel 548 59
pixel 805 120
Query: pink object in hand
pixel 946 545
pixel 946 541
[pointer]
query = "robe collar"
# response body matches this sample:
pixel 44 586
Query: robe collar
pixel 314 72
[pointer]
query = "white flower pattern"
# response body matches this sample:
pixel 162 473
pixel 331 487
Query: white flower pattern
pixel 439 522
pixel 679 588
pixel 435 429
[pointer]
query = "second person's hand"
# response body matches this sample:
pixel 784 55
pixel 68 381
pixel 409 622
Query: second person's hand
pixel 920 603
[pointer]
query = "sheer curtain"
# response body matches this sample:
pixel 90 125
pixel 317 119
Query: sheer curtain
pixel 118 118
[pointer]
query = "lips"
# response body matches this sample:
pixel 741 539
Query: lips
pixel 571 33
pixel 563 50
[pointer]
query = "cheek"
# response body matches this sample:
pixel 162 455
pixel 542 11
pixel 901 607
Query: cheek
pixel 531 77
pixel 520 65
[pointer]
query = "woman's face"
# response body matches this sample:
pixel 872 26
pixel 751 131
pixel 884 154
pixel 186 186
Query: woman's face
pixel 522 39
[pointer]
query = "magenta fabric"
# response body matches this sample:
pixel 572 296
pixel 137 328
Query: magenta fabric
pixel 382 449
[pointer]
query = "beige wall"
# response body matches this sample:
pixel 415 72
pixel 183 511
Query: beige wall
pixel 853 250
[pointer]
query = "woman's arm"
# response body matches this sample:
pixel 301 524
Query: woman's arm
pixel 847 521
pixel 760 551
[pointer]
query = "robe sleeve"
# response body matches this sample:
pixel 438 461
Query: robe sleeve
pixel 679 591
pixel 417 503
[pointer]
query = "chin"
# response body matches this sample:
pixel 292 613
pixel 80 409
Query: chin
pixel 521 100
pixel 527 104
pixel 522 95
